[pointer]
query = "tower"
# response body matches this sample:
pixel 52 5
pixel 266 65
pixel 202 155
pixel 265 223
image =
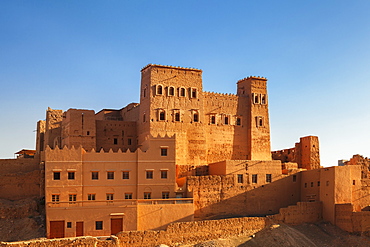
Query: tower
pixel 253 93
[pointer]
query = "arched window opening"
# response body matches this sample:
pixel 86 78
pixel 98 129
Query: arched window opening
pixel 171 91
pixel 182 92
pixel 159 90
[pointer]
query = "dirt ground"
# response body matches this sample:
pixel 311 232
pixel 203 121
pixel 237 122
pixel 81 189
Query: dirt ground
pixel 307 235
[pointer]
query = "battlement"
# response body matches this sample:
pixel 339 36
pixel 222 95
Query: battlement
pixel 169 67
pixel 213 94
pixel 252 78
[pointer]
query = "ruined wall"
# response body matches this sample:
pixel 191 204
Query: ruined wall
pixel 53 130
pixel 346 219
pixel 19 179
pixel 364 162
pixel 175 234
pixel 303 212
pixel 306 153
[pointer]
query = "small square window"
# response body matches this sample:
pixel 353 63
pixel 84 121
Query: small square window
pixel 55 199
pixel 69 224
pixel 98 225
pixel 128 195
pixel 149 174
pixel 163 151
pixel 71 175
pixel 147 195
pixel 91 197
pixel 165 195
pixel 94 175
pixel 56 175
pixel 110 196
pixel 240 178
pixel 110 175
pixel 164 174
pixel 254 178
pixel 72 198
pixel 126 175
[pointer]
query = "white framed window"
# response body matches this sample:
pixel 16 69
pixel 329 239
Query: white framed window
pixel 159 90
pixel 171 91
pixel 182 92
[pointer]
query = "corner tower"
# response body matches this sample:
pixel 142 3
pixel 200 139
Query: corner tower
pixel 253 93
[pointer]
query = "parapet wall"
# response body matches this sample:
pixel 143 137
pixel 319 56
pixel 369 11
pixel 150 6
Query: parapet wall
pixel 175 234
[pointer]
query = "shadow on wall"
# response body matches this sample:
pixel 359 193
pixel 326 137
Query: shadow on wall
pixel 217 197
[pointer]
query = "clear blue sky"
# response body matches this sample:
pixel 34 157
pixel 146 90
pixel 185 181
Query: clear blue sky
pixel 88 54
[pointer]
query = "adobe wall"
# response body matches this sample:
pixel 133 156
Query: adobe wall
pixel 306 153
pixel 20 179
pixel 222 196
pixel 346 219
pixel 159 216
pixel 303 212
pixel 175 234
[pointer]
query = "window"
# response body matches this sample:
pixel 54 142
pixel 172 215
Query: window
pixel 263 99
pixel 162 116
pixel 115 141
pixel 147 195
pixel 240 178
pixel 56 175
pixel 109 196
pixel 354 182
pixel 91 197
pixel 72 198
pixel 129 141
pixel 98 225
pixel 182 92
pixel 165 195
pixel 196 117
pixel 69 224
pixel 163 151
pixel 55 199
pixel 159 90
pixel 144 118
pixel 255 98
pixel 238 121
pixel 144 92
pixel 193 92
pixel 226 120
pixel 171 91
pixel 305 185
pixel 128 195
pixel 126 175
pixel 213 119
pixel 110 175
pixel 164 174
pixel 327 183
pixel 311 184
pixel 294 178
pixel 177 117
pixel 259 121
pixel 268 178
pixel 149 174
pixel 318 183
pixel 71 175
pixel 88 133
pixel 254 178
pixel 94 175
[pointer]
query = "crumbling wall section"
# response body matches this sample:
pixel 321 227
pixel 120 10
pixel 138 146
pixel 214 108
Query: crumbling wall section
pixel 303 212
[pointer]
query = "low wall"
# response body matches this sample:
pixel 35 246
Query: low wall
pixel 303 212
pixel 346 219
pixel 176 233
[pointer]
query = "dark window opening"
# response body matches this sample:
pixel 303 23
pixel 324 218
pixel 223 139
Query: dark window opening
pixel 126 175
pixel 162 116
pixel 240 178
pixel 182 92
pixel 91 197
pixel 147 195
pixel 110 175
pixel 115 141
pixel 129 141
pixel 177 117
pixel 128 196
pixel 238 121
pixel 226 120
pixel 164 174
pixel 196 117
pixel 268 178
pixel 294 178
pixel 88 133
pixel 56 175
pixel 254 178
pixel 69 224
pixel 98 225
pixel 171 91
pixel 193 93
pixel 163 151
pixel 159 90
pixel 71 175
pixel 213 119
pixel 95 175
pixel 165 195
pixel 149 174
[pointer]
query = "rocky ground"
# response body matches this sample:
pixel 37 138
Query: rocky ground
pixel 22 219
